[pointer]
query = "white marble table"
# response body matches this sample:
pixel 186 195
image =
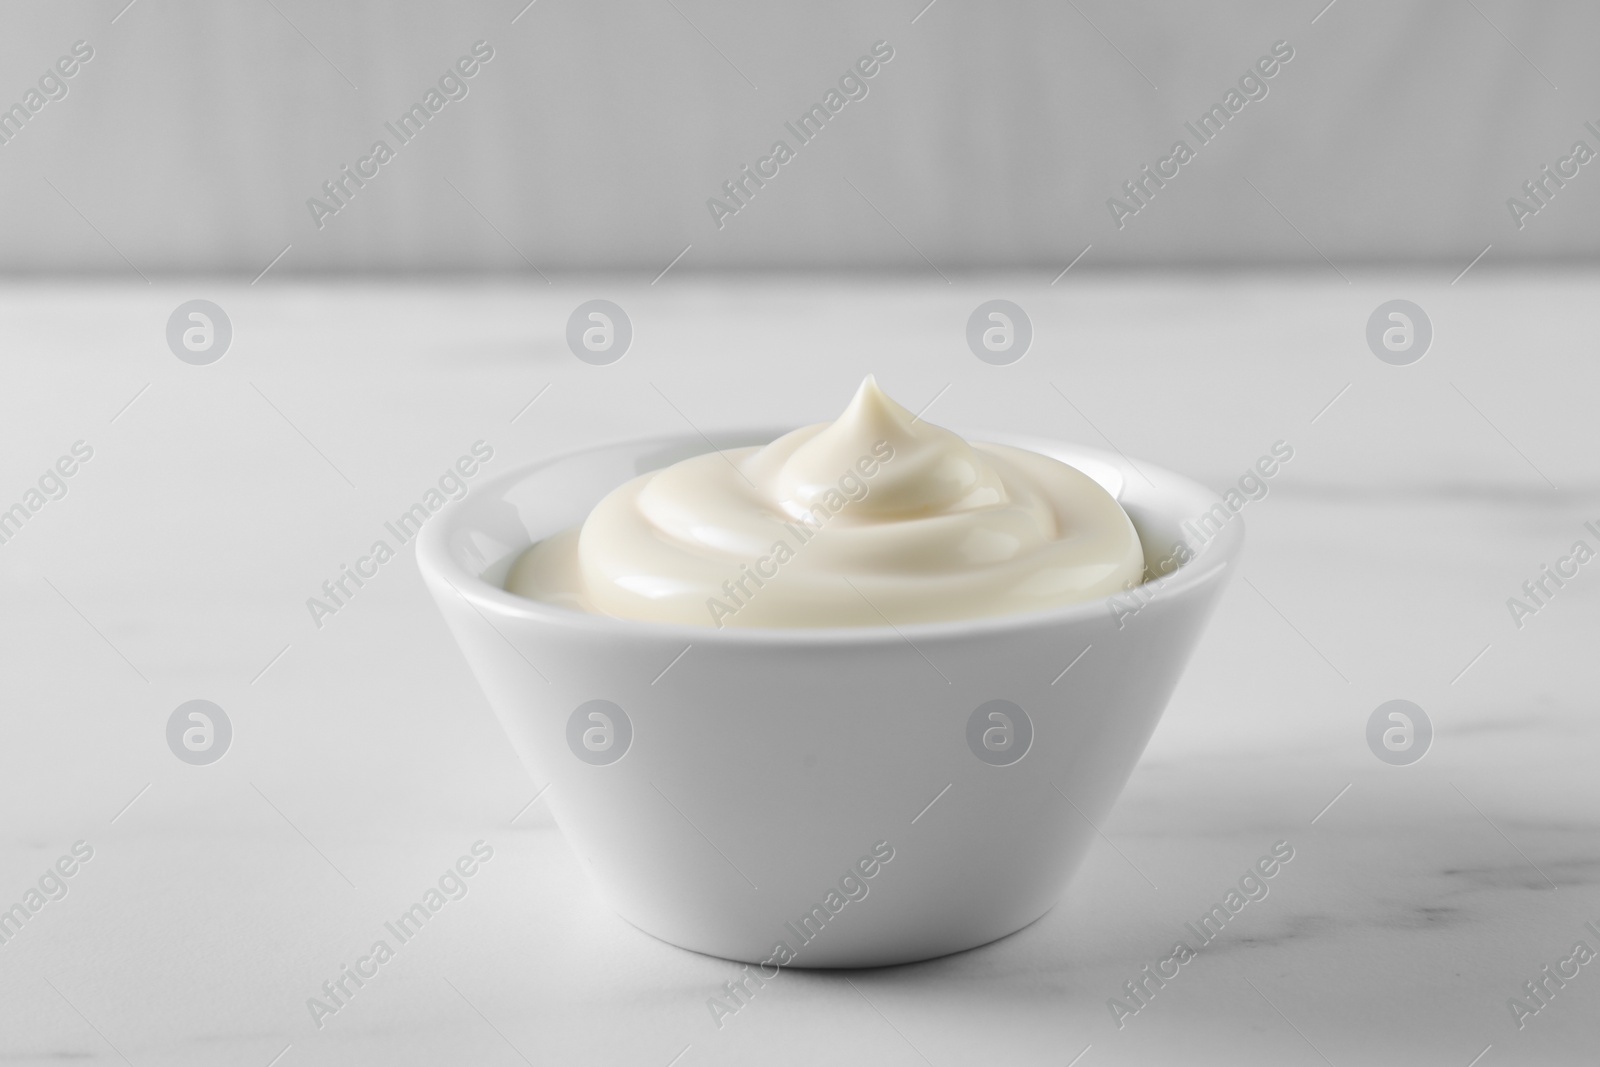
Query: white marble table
pixel 364 760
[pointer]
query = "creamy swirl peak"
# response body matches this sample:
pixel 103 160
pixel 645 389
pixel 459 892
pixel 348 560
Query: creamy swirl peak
pixel 875 518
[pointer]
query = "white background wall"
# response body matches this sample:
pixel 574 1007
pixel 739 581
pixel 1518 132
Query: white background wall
pixel 193 139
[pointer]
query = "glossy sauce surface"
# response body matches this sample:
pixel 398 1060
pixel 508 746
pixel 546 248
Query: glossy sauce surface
pixel 875 518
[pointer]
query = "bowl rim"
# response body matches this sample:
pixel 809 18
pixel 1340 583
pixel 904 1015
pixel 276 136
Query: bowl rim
pixel 435 560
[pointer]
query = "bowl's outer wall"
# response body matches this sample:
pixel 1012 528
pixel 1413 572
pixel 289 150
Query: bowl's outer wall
pixel 758 776
pixel 759 773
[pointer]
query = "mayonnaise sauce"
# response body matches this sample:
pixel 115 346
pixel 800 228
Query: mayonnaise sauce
pixel 875 518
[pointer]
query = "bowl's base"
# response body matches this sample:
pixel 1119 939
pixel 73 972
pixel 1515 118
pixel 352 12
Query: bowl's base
pixel 836 958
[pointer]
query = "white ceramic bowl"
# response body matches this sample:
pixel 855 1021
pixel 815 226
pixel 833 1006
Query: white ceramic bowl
pixel 758 767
